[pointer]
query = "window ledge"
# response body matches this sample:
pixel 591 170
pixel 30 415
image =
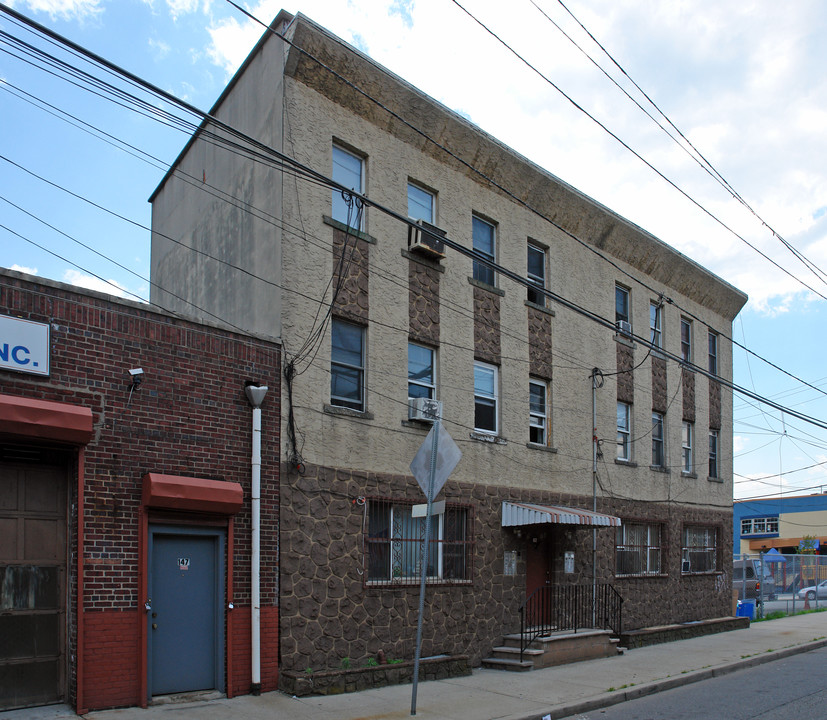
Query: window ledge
pixel 424 426
pixel 624 340
pixel 705 573
pixel 488 438
pixel 660 469
pixel 689 475
pixel 486 286
pixel 627 463
pixel 346 412
pixel 541 308
pixel 351 231
pixel 715 480
pixel 643 576
pixel 423 260
pixel 541 448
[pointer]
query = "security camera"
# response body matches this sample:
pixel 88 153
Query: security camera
pixel 136 375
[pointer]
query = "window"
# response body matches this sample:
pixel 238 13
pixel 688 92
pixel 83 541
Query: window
pixel 622 317
pixel 536 264
pixel 420 204
pixel 759 526
pixel 658 456
pixel 713 353
pixel 686 448
pixel 637 549
pixel 421 382
pixel 623 431
pixel 700 549
pixel 538 412
pixel 484 238
pixel 713 453
pixel 655 319
pixel 686 340
pixel 393 544
pixel 485 397
pixel 347 171
pixel 347 365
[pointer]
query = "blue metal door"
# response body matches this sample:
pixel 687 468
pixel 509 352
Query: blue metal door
pixel 185 617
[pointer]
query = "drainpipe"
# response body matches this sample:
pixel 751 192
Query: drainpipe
pixel 255 396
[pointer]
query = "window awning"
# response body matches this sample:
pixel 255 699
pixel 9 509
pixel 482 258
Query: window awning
pixel 515 514
pixel 173 492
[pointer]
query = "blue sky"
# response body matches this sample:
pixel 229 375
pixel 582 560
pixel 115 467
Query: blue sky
pixel 744 82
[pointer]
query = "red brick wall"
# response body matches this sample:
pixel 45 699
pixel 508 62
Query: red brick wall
pixel 190 417
pixel 242 661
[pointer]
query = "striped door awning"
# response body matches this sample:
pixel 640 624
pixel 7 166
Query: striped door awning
pixel 515 514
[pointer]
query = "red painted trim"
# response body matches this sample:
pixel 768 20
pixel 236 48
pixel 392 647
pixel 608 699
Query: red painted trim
pixel 143 570
pixel 194 494
pixel 228 645
pixel 46 420
pixel 80 708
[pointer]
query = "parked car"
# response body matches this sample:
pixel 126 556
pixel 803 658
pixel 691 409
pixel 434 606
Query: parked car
pixel 755 589
pixel 811 591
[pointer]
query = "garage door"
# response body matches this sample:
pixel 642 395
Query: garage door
pixel 33 527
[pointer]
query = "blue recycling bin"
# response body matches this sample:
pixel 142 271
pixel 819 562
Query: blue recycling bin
pixel 746 608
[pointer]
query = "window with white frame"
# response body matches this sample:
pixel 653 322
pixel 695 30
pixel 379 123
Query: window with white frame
pixel 623 319
pixel 759 526
pixel 658 451
pixel 536 274
pixel 347 365
pixel 713 353
pixel 421 205
pixel 421 376
pixel 638 549
pixel 655 322
pixel 699 553
pixel 486 397
pixel 484 242
pixel 538 412
pixel 348 170
pixel 686 340
pixel 624 431
pixel 687 431
pixel 393 544
pixel 713 453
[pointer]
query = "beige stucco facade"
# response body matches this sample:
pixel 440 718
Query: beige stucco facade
pixel 272 234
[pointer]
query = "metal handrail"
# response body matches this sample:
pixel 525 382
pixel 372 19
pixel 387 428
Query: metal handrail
pixel 569 607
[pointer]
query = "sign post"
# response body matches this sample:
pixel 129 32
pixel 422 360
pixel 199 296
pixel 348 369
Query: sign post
pixel 441 456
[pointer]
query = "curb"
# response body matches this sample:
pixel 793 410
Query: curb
pixel 608 699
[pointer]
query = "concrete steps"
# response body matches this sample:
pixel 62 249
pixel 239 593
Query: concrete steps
pixel 553 649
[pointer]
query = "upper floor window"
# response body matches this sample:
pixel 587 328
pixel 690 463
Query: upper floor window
pixel 713 353
pixel 686 340
pixel 713 453
pixel 622 317
pixel 686 447
pixel 536 264
pixel 699 553
pixel 484 239
pixel 538 412
pixel 637 549
pixel 624 431
pixel 485 397
pixel 759 526
pixel 421 205
pixel 347 365
pixel 655 320
pixel 421 377
pixel 348 170
pixel 658 454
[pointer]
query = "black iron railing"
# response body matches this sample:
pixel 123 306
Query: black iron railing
pixel 569 608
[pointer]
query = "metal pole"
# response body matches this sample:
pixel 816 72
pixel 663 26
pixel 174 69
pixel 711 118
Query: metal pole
pixel 424 564
pixel 594 494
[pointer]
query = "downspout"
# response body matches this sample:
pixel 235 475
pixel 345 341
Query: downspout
pixel 255 396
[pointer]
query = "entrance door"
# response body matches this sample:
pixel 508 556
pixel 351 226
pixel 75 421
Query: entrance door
pixel 186 616
pixel 538 565
pixel 33 528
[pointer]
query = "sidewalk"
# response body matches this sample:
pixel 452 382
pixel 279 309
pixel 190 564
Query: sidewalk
pixel 491 694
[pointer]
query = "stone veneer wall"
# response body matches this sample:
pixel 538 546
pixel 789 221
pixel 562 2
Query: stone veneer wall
pixel 328 613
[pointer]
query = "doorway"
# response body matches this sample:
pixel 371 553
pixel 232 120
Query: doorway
pixel 185 616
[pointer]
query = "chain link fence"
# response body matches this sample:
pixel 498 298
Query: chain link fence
pixel 775 582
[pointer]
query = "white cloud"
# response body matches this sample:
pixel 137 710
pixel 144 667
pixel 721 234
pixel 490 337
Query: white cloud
pixel 65 9
pixel 23 269
pixel 90 282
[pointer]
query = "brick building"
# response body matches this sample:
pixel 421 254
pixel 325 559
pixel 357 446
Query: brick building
pixel 569 477
pixel 125 508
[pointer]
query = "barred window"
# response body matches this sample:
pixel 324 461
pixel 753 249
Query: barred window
pixel 393 544
pixel 700 549
pixel 638 549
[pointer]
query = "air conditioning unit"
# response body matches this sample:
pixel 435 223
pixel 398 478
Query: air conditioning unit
pixel 624 327
pixel 424 409
pixel 426 239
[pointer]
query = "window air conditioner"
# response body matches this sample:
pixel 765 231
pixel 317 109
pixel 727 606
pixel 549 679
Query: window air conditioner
pixel 426 239
pixel 624 327
pixel 424 409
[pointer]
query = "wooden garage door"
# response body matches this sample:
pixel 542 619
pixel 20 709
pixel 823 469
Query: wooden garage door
pixel 33 526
